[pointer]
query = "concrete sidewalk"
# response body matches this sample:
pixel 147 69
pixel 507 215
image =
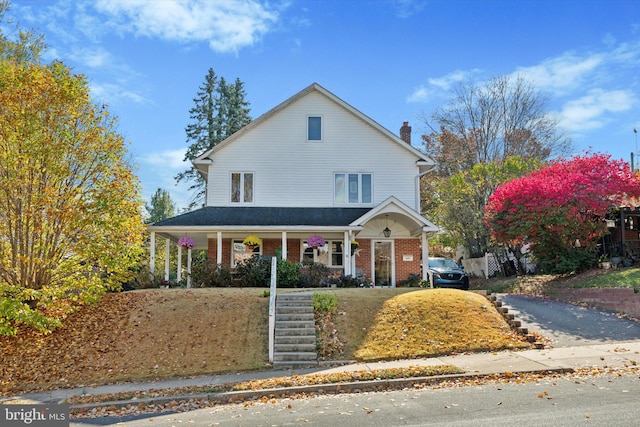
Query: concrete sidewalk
pixel 613 354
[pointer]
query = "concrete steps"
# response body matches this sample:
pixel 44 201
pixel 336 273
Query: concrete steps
pixel 295 331
pixel 516 325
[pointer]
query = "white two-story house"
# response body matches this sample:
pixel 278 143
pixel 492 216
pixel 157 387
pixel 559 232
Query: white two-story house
pixel 313 165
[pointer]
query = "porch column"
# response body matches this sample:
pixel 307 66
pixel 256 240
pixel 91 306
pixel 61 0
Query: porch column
pixel 179 272
pixel 284 245
pixel 219 248
pixel 152 255
pixel 425 257
pixel 352 260
pixel 189 268
pixel 167 257
pixel 346 253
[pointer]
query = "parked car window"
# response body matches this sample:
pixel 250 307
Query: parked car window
pixel 443 263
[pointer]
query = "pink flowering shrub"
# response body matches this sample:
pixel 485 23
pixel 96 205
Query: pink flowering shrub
pixel 560 209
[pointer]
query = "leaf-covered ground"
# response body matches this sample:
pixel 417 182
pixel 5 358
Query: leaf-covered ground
pixel 141 335
pixel 433 322
pixel 155 334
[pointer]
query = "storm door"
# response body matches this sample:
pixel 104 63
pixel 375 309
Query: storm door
pixel 383 263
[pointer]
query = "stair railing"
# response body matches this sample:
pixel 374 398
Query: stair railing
pixel 272 308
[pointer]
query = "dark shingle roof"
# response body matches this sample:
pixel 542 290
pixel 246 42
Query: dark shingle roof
pixel 266 216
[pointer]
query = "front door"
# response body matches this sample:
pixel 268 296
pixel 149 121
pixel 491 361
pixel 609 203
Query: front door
pixel 383 263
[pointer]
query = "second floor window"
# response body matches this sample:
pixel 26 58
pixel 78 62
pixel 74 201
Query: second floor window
pixel 353 188
pixel 314 128
pixel 242 187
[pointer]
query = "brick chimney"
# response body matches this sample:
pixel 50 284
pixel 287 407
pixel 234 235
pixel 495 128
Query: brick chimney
pixel 405 132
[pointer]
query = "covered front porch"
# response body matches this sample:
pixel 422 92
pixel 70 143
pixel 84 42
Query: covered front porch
pixel 392 240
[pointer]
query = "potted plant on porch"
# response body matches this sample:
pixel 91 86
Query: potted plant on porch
pixel 615 258
pixel 316 241
pixel 186 243
pixel 604 262
pixel 251 242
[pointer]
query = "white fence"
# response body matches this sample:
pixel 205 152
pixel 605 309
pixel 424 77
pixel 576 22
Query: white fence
pixel 489 265
pixel 485 267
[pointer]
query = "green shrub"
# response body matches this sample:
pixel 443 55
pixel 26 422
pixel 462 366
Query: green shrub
pixel 324 302
pixel 254 272
pixel 205 273
pixel 350 281
pixel 288 275
pixel 314 275
pixel 571 261
pixel 413 281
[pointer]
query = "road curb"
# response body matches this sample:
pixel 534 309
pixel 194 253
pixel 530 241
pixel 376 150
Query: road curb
pixel 283 392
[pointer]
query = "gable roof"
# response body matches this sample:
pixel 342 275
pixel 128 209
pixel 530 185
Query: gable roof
pixel 424 162
pixel 392 206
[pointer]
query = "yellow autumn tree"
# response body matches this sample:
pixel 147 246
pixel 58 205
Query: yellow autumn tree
pixel 70 210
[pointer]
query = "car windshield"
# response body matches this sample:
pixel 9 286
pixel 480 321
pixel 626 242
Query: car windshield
pixel 443 263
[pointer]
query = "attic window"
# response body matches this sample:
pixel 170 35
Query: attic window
pixel 314 128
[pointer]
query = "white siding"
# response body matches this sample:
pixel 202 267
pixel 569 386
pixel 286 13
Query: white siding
pixel 289 171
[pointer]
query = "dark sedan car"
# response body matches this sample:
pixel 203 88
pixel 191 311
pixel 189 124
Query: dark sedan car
pixel 447 273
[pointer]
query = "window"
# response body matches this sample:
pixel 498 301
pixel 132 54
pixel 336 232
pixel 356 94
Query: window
pixel 353 188
pixel 329 255
pixel 242 187
pixel 336 252
pixel 314 128
pixel 239 252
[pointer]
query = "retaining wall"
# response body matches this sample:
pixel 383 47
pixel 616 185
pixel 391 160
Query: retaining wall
pixel 613 299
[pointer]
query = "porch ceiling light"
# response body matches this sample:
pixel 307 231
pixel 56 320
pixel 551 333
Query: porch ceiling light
pixel 386 231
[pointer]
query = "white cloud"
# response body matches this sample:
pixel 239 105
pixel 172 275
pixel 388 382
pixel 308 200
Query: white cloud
pixel 407 8
pixel 564 72
pixel 438 85
pixel 419 94
pixel 113 94
pixel 172 160
pixel 449 80
pixel 589 89
pixel 92 57
pixel 227 25
pixel 590 111
pixel 162 167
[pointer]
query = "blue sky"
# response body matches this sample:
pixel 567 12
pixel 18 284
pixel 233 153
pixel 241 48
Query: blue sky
pixel 394 60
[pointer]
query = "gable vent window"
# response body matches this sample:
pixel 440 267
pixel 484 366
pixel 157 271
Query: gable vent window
pixel 242 187
pixel 314 128
pixel 353 188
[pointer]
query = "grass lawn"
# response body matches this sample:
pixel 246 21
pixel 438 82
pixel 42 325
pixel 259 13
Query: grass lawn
pixel 546 284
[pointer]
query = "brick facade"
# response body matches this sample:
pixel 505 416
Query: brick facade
pixel 408 255
pixel 406 249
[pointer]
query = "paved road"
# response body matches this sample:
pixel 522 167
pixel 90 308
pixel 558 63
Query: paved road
pixel 567 324
pixel 595 401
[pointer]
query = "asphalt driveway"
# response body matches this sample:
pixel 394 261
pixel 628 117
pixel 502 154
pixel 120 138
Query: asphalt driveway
pixel 567 324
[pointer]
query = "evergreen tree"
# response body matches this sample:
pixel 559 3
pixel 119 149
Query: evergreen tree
pixel 161 206
pixel 220 110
